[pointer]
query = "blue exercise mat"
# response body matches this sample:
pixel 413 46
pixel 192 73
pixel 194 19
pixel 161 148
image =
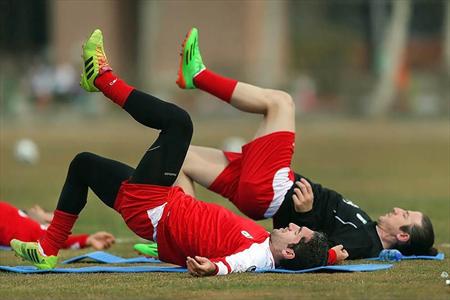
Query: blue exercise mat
pixel 96 269
pixel 107 258
pixel 439 256
pixel 142 269
pixel 333 269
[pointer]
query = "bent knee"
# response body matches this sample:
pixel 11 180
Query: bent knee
pixel 182 120
pixel 279 100
pixel 81 160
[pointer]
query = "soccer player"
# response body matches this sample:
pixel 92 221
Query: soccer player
pixel 261 183
pixel 31 225
pixel 310 204
pixel 205 237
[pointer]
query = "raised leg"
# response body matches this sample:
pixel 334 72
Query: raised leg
pixel 276 106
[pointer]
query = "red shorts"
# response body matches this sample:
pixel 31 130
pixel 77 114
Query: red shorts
pixel 142 206
pixel 257 180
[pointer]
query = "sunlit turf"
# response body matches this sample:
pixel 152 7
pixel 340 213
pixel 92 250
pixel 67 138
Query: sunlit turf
pixel 377 165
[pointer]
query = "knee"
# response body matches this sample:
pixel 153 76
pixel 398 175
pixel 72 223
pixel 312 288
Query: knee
pixel 182 120
pixel 81 162
pixel 279 100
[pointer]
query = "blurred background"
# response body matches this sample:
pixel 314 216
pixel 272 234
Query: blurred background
pixel 354 57
pixel 370 79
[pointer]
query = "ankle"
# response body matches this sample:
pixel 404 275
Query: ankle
pixel 113 87
pixel 215 84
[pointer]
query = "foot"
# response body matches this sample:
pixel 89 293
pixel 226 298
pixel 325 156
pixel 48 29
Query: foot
pixel 190 61
pixel 32 253
pixel 148 250
pixel 95 62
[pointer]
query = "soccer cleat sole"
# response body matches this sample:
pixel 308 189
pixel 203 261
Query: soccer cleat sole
pixel 181 82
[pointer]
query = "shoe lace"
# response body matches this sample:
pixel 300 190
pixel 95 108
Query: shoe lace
pixel 102 60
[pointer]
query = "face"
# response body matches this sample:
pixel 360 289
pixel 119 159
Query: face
pixel 398 217
pixel 292 234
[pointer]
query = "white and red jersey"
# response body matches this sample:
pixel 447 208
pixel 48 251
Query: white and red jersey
pixel 184 226
pixel 190 227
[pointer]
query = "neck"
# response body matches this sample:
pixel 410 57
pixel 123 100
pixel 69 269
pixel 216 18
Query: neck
pixel 384 238
pixel 275 253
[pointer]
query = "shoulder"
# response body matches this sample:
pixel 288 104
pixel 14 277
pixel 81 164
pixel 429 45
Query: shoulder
pixel 252 256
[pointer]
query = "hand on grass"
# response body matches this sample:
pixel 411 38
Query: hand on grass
pixel 100 240
pixel 303 196
pixel 200 266
pixel 341 253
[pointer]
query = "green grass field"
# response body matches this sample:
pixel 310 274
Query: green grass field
pixel 377 165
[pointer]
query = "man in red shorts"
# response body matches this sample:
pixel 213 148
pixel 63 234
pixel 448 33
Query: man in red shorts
pixel 31 225
pixel 205 237
pixel 260 182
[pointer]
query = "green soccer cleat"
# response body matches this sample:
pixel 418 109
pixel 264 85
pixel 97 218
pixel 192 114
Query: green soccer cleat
pixel 31 252
pixel 190 61
pixel 149 250
pixel 94 61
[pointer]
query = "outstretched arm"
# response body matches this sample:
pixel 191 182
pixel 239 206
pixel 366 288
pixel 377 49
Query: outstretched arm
pixel 201 266
pixel 255 256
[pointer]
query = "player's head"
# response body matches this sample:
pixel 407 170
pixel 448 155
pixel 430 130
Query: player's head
pixel 409 231
pixel 299 247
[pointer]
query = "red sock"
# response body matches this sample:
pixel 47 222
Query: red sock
pixel 215 84
pixel 58 232
pixel 113 87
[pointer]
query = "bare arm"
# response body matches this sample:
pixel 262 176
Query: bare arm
pixel 201 266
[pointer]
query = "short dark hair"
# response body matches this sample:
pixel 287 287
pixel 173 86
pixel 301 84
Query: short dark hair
pixel 313 253
pixel 421 239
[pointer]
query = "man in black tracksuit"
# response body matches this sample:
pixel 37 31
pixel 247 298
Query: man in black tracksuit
pixel 342 220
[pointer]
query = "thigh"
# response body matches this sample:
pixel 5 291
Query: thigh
pixel 105 177
pixel 264 156
pixel 266 175
pixel 162 162
pixel 218 171
pixel 203 164
pixel 275 121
